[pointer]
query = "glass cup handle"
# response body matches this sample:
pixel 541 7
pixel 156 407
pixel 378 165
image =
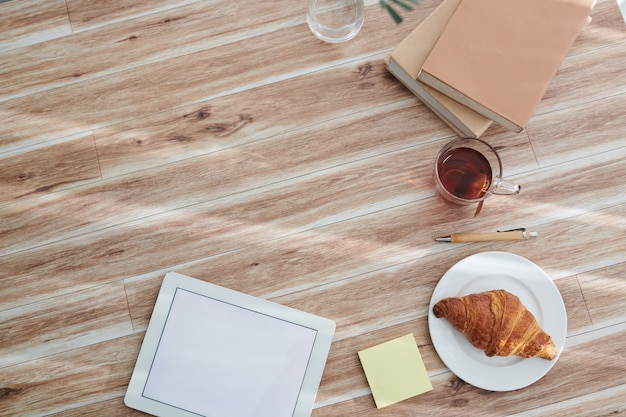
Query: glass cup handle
pixel 507 188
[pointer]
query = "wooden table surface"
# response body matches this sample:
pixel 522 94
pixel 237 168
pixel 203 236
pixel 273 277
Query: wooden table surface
pixel 223 141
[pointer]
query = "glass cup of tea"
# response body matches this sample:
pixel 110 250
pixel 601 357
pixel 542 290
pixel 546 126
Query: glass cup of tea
pixel 467 171
pixel 335 21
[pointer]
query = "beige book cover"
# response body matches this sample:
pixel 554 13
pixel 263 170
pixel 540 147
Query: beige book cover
pixel 499 56
pixel 406 60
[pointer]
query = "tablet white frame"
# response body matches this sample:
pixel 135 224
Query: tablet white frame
pixel 173 281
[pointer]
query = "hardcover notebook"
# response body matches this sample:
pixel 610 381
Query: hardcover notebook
pixel 499 56
pixel 406 61
pixel 212 351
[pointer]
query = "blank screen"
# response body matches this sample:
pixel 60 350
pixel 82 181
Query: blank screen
pixel 217 359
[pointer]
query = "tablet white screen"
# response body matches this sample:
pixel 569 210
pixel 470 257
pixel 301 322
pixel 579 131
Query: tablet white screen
pixel 218 359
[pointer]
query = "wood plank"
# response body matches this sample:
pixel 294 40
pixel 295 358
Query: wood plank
pixel 605 402
pixel 237 148
pixel 60 324
pixel 343 367
pixel 139 92
pixel 604 290
pixel 392 250
pixel 578 318
pixel 251 115
pixel 68 380
pixel 204 231
pixel 114 407
pixel 30 22
pixel 392 295
pixel 217 226
pixel 176 31
pixel 222 174
pixel 452 396
pixel 560 189
pixel 343 375
pixel 561 236
pixel 88 15
pixel 573 84
pixel 124 363
pixel 606 28
pixel 55 166
pixel 568 134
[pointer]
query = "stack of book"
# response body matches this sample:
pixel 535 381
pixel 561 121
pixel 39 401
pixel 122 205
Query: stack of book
pixel 475 62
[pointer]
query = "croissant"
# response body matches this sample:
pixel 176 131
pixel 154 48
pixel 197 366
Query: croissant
pixel 498 323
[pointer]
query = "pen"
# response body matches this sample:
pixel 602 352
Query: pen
pixel 517 234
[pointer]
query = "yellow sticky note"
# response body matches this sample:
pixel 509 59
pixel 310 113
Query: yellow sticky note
pixel 395 371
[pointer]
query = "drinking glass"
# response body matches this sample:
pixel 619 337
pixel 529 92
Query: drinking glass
pixel 335 21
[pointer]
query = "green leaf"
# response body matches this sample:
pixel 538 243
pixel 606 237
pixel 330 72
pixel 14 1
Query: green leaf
pixel 403 5
pixel 396 17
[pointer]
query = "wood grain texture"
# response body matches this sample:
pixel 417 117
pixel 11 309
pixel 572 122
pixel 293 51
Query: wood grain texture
pixel 605 293
pixel 139 91
pixel 86 14
pixel 602 403
pixel 605 28
pixel 159 136
pixel 452 396
pixel 54 166
pixel 222 176
pixel 60 324
pixel 572 84
pixel 249 116
pixel 61 382
pixel 174 32
pixel 579 130
pixel 31 22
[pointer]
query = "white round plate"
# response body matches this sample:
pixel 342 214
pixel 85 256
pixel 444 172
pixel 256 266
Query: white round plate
pixel 517 275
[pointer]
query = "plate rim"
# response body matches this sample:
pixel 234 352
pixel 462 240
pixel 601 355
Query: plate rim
pixel 547 282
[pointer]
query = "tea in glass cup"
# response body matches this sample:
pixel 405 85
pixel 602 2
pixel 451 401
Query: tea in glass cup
pixel 467 171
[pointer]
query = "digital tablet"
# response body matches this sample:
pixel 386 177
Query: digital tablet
pixel 211 351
